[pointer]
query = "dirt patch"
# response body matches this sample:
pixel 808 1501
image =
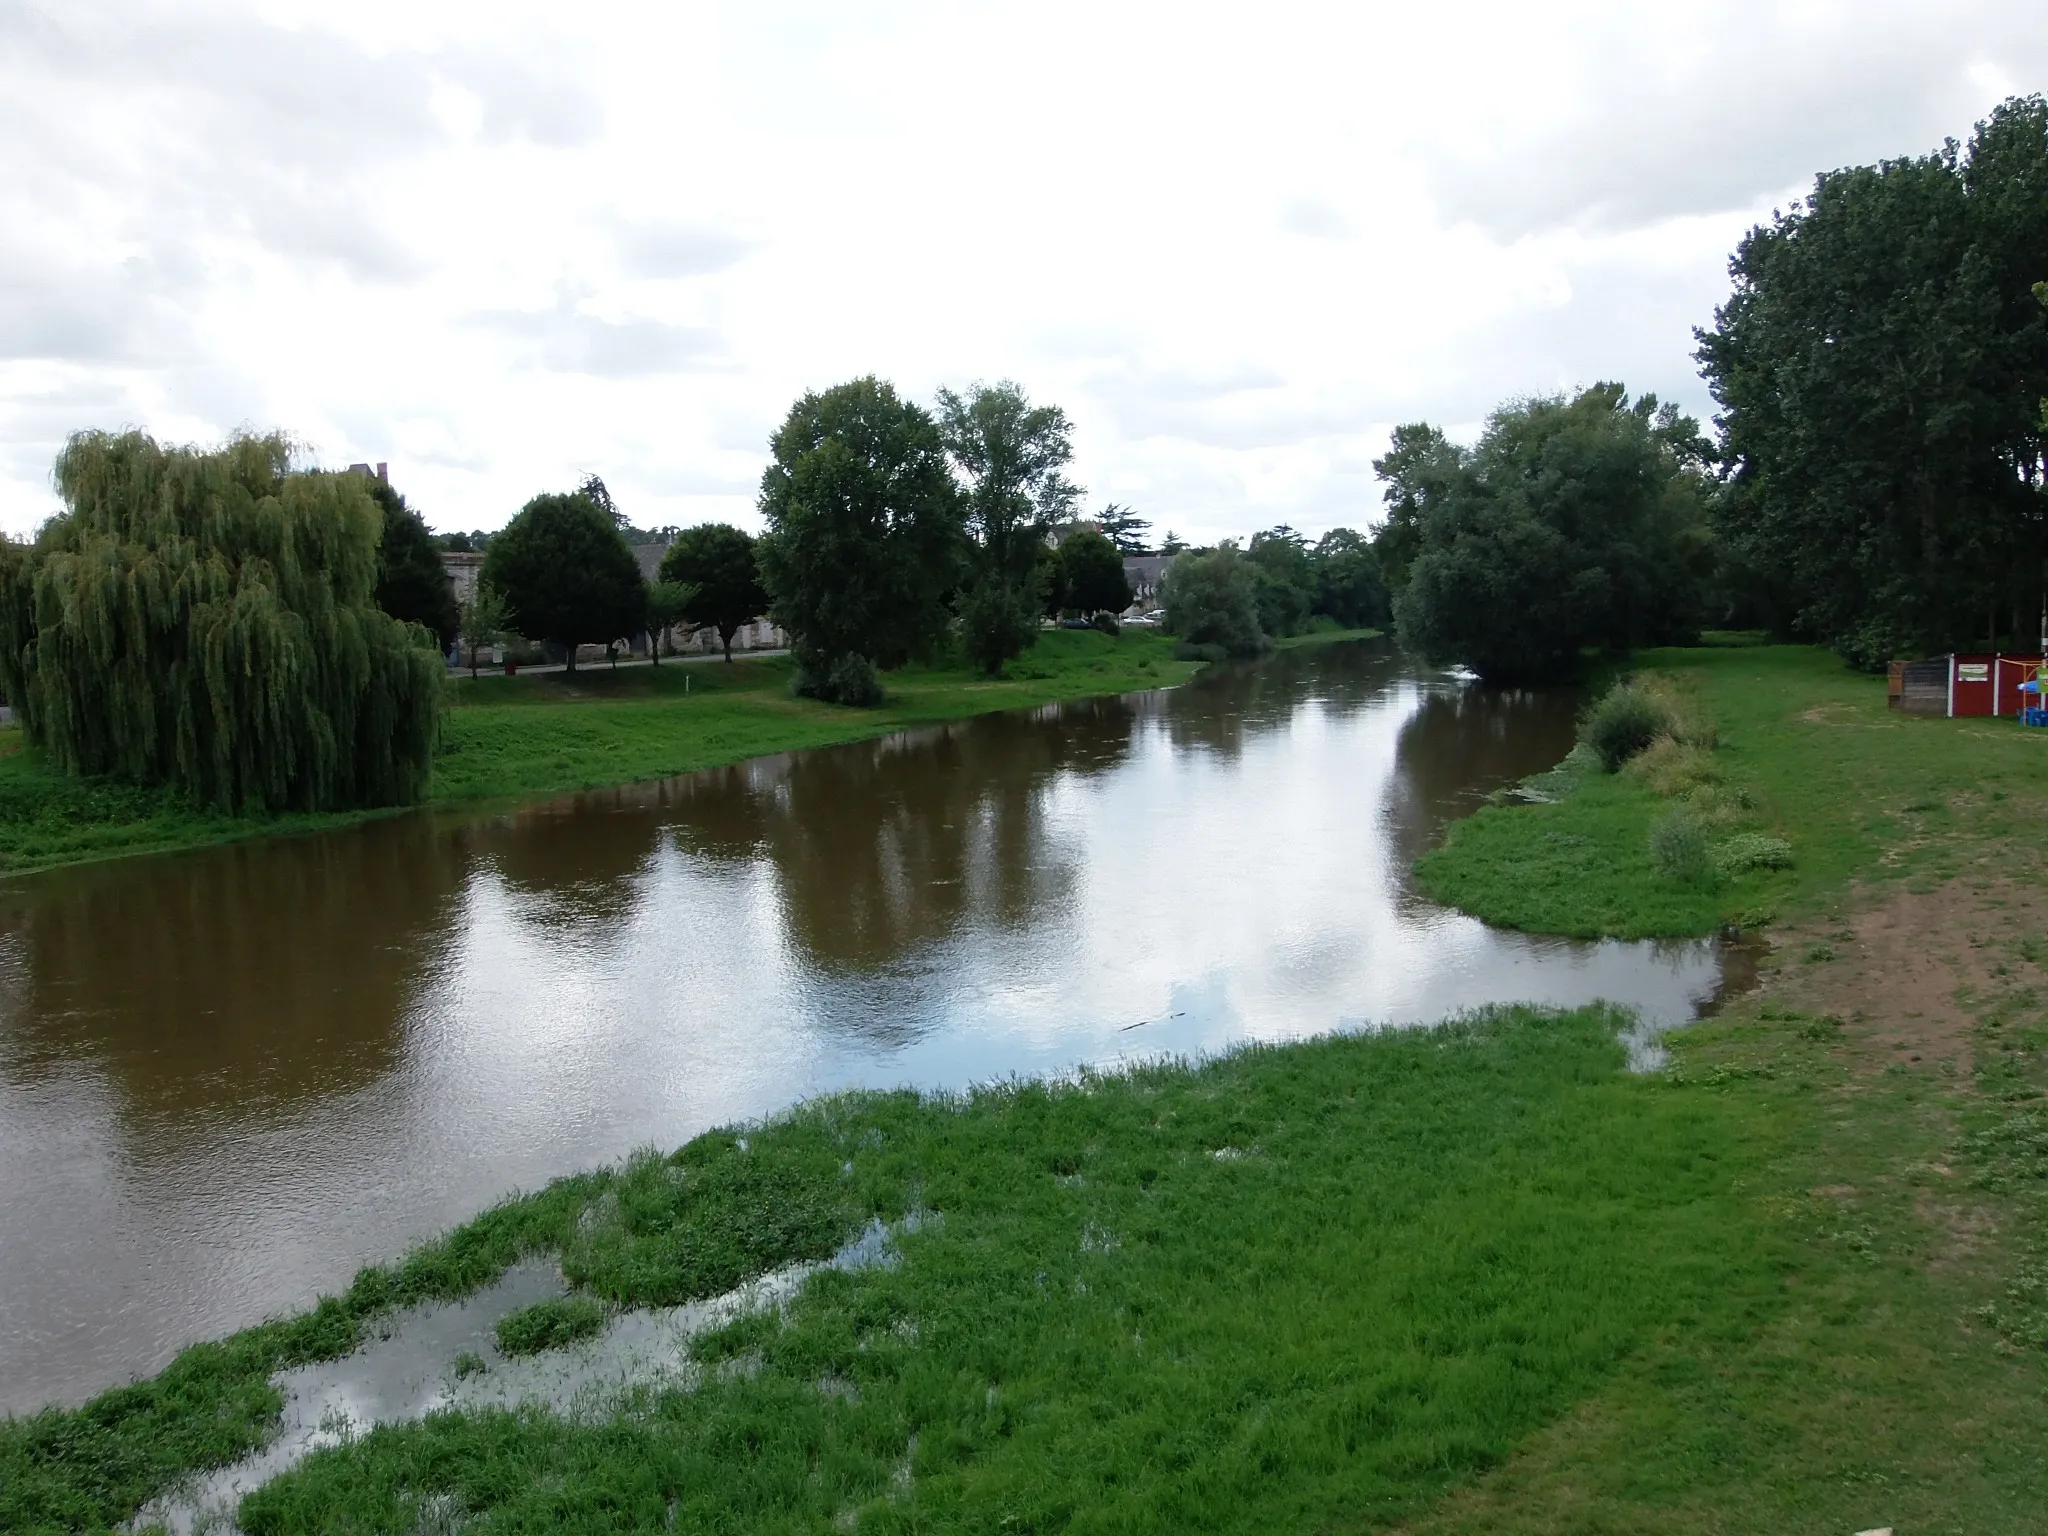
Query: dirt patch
pixel 1900 973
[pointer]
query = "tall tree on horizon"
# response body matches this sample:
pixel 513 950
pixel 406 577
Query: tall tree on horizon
pixel 1014 456
pixel 1880 367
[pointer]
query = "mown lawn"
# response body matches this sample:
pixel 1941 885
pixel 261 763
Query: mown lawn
pixel 1855 788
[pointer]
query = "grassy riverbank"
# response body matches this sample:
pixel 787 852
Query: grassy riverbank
pixel 1297 1288
pixel 1905 1005
pixel 1807 753
pixel 550 733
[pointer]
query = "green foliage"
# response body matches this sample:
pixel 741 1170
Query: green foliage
pixel 865 531
pixel 1752 850
pixel 1880 368
pixel 667 603
pixel 483 620
pixel 1212 600
pixel 1014 456
pixel 1090 575
pixel 1678 848
pixel 412 585
pixel 207 622
pixel 1420 469
pixel 1624 722
pixel 850 679
pixel 1574 523
pixel 717 563
pixel 1284 580
pixel 549 1324
pixel 1535 1218
pixel 567 573
pixel 1124 529
pixel 998 620
pixel 1349 587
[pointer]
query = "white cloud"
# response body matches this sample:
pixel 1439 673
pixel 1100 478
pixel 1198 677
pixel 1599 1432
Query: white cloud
pixel 501 245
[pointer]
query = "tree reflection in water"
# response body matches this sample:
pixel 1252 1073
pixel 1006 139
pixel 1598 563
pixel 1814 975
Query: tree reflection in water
pixel 231 982
pixel 1465 741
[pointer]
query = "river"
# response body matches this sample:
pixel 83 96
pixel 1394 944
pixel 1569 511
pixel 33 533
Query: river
pixel 228 1078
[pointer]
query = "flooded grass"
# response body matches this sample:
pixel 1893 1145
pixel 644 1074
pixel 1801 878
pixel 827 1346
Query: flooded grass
pixel 1434 1243
pixel 549 1324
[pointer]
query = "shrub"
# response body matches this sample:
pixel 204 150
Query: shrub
pixel 1106 622
pixel 1752 850
pixel 1671 768
pixel 1188 651
pixel 1678 848
pixel 851 679
pixel 549 1324
pixel 1625 721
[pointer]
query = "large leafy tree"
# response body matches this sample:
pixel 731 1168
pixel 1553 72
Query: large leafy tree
pixel 1014 456
pixel 1090 575
pixel 566 573
pixel 412 584
pixel 864 537
pixel 1574 523
pixel 1348 584
pixel 1879 367
pixel 1419 467
pixel 1284 578
pixel 717 562
pixel 208 621
pixel 1212 600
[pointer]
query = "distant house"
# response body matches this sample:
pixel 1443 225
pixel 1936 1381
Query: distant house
pixel 463 567
pixel 1146 574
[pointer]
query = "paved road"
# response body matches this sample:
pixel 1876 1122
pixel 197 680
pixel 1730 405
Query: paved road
pixel 496 669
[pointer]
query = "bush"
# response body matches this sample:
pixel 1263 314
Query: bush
pixel 1752 850
pixel 1678 848
pixel 1624 723
pixel 1106 622
pixel 851 679
pixel 1671 768
pixel 1187 651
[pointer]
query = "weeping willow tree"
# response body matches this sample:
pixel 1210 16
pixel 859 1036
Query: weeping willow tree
pixel 208 621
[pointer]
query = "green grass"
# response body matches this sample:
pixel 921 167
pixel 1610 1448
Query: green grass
pixel 549 1324
pixel 1852 787
pixel 550 733
pixel 1414 1249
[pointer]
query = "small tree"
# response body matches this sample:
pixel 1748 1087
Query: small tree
pixel 412 584
pixel 1091 575
pixel 1173 544
pixel 567 573
pixel 716 562
pixel 1212 600
pixel 667 603
pixel 484 618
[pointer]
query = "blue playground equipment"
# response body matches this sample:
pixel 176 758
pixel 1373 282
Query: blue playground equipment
pixel 2035 712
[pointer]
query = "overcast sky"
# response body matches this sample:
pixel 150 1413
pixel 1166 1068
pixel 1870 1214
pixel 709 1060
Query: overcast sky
pixel 503 245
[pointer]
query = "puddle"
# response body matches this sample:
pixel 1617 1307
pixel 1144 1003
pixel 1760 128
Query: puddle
pixel 409 1369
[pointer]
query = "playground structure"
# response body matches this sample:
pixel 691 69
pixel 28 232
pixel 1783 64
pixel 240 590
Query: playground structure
pixel 1957 686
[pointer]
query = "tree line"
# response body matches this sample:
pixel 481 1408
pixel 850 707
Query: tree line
pixel 1875 481
pixel 261 636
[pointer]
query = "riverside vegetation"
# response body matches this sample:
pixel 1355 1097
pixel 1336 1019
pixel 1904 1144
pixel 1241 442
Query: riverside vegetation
pixel 1473 1278
pixel 552 733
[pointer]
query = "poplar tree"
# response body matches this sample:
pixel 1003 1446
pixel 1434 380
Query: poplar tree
pixel 208 621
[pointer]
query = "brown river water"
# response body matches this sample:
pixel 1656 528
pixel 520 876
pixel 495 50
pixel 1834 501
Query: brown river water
pixel 229 1078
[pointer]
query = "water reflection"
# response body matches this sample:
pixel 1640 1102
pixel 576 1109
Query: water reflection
pixel 228 1079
